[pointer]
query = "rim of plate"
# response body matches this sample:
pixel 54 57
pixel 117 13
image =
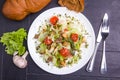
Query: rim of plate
pixel 36 57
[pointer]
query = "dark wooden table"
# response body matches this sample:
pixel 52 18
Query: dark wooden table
pixel 94 11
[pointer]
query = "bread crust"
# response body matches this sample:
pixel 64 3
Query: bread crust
pixel 19 9
pixel 76 5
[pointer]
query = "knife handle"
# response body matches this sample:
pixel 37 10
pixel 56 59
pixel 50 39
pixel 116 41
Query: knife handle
pixel 92 59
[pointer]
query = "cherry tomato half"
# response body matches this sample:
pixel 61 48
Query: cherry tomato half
pixel 47 41
pixel 74 37
pixel 65 52
pixel 53 20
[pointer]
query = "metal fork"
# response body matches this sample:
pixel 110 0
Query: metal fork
pixel 104 33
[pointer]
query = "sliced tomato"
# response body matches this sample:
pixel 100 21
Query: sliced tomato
pixel 65 52
pixel 53 20
pixel 47 41
pixel 74 37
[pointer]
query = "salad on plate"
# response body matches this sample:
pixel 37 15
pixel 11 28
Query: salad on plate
pixel 60 40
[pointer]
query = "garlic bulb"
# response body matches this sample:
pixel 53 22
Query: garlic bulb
pixel 20 61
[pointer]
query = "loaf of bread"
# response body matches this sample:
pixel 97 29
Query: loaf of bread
pixel 19 9
pixel 76 5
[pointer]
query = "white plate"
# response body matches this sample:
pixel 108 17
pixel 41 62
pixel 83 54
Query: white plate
pixel 85 55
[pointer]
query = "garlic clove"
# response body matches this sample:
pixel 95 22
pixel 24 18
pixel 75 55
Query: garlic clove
pixel 25 55
pixel 19 61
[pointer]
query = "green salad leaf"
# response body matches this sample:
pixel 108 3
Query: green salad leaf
pixel 14 41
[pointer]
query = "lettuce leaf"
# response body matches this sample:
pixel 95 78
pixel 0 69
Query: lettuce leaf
pixel 14 41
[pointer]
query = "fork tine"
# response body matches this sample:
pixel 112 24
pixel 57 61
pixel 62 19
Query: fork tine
pixel 108 28
pixel 105 30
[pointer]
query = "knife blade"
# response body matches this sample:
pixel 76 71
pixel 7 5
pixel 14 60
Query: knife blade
pixel 99 38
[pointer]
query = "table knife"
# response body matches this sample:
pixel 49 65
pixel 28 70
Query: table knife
pixel 92 59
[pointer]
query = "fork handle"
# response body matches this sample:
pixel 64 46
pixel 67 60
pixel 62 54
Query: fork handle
pixel 103 63
pixel 92 59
